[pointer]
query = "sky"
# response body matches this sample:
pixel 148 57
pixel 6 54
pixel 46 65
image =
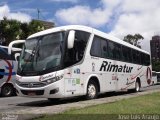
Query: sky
pixel 115 17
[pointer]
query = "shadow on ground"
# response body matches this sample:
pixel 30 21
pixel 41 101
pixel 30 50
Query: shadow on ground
pixel 44 103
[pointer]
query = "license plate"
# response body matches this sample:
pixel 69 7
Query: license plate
pixel 31 93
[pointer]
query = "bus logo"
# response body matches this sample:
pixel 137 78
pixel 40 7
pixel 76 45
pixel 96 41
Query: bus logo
pixel 10 69
pixel 109 67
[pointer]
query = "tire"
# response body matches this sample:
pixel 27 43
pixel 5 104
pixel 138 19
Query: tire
pixel 137 86
pixel 53 99
pixel 92 90
pixel 7 91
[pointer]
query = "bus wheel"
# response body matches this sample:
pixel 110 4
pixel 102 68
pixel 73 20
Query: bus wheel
pixel 53 99
pixel 7 91
pixel 137 86
pixel 92 90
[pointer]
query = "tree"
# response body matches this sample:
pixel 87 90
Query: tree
pixel 12 30
pixel 155 65
pixel 133 39
pixel 9 30
pixel 24 32
pixel 35 26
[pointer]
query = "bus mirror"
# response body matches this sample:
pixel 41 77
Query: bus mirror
pixel 17 56
pixel 13 43
pixel 71 38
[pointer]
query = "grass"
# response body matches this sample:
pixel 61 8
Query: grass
pixel 147 104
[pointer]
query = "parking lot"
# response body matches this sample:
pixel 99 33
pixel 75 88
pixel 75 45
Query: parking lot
pixel 42 106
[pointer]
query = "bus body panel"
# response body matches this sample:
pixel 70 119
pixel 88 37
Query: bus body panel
pixel 8 68
pixel 73 81
pixel 7 72
pixel 111 80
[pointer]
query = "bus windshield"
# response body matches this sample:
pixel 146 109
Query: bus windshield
pixel 41 53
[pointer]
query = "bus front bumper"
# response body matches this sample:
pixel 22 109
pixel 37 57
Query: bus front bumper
pixel 54 90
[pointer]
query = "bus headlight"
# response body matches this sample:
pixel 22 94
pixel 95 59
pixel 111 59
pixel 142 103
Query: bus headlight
pixel 52 80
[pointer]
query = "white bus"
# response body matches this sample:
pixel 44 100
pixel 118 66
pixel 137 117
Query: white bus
pixel 8 68
pixel 77 60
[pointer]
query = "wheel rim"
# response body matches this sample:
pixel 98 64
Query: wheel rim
pixel 137 86
pixel 7 91
pixel 91 91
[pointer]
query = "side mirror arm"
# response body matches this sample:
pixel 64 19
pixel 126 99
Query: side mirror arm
pixel 12 43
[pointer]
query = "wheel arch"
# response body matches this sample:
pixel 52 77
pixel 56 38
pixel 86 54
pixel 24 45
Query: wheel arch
pixel 94 78
pixel 6 84
pixel 138 80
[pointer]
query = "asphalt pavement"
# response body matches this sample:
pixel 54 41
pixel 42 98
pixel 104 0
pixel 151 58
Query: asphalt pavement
pixel 39 106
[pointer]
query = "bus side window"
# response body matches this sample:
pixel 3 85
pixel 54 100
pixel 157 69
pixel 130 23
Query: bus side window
pixel 114 50
pixel 96 47
pixel 111 49
pixel 147 60
pixel 99 47
pixel 136 56
pixel 76 54
pixel 2 71
pixel 4 54
pixel 117 51
pixel 142 59
pixel 127 56
pixel 104 48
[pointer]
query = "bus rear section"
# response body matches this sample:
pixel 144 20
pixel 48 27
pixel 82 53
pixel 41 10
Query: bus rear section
pixel 8 68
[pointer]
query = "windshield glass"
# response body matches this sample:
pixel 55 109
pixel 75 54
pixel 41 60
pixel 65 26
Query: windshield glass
pixel 41 53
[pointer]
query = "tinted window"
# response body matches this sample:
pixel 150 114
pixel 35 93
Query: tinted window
pixel 104 48
pixel 108 49
pixel 99 47
pixel 118 52
pixel 136 57
pixel 111 49
pixel 147 59
pixel 96 47
pixel 142 58
pixel 76 54
pixel 114 50
pixel 127 56
pixel 4 54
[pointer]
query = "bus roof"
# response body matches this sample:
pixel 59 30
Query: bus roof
pixel 87 29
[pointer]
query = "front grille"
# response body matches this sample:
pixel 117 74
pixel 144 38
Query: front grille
pixel 36 92
pixel 31 84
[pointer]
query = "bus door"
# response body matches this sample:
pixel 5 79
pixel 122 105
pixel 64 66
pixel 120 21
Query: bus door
pixel 74 58
pixel 72 82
